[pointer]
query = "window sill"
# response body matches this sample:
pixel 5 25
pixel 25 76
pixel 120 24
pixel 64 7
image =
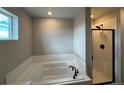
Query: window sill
pixel 5 40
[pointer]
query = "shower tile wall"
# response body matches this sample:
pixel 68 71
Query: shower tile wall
pixel 102 58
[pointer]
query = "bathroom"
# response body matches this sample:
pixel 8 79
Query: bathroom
pixel 55 45
pixel 47 46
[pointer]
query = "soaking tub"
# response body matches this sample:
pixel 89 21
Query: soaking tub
pixel 49 71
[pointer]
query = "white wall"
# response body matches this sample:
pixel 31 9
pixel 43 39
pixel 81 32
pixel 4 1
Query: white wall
pixel 14 52
pixel 79 41
pixel 2 72
pixel 82 39
pixel 52 36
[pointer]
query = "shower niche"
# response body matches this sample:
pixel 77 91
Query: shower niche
pixel 103 55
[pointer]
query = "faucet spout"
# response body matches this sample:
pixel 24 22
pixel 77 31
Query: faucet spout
pixel 75 71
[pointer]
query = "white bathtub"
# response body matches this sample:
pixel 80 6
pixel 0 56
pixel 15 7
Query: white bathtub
pixel 52 69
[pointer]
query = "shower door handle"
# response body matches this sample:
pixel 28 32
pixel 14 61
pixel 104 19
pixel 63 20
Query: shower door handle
pixel 92 57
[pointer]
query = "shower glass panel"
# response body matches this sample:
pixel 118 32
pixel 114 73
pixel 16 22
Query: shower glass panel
pixel 103 55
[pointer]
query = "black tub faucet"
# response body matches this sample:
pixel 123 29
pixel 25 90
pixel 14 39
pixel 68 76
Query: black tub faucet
pixel 75 71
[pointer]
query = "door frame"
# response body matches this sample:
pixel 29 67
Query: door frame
pixel 113 56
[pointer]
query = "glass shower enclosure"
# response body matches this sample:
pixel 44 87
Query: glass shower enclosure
pixel 103 56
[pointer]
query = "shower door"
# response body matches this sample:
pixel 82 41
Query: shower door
pixel 103 56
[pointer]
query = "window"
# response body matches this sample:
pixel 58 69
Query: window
pixel 8 25
pixel 5 26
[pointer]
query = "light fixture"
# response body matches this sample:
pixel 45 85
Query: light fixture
pixel 91 16
pixel 50 13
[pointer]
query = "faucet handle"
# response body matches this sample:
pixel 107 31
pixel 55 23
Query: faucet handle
pixel 77 71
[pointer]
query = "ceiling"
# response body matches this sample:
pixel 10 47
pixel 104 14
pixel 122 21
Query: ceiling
pixel 58 12
pixel 100 11
pixel 66 12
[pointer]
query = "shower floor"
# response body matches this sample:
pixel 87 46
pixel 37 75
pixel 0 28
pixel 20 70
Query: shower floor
pixel 99 77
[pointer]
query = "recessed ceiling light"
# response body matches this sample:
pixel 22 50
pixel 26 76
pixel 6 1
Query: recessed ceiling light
pixel 50 13
pixel 91 16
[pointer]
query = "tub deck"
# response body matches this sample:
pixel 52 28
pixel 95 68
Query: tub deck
pixel 56 72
